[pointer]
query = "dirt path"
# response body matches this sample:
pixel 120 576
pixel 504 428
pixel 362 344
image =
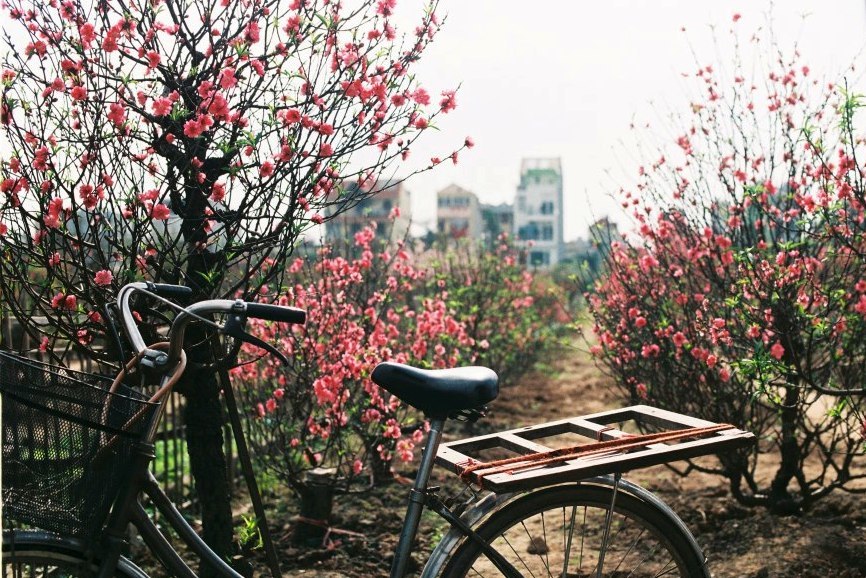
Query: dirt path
pixel 828 542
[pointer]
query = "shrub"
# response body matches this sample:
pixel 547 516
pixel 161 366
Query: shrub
pixel 511 314
pixel 741 296
pixel 323 410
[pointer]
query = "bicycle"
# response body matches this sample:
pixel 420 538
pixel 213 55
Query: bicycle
pixel 542 518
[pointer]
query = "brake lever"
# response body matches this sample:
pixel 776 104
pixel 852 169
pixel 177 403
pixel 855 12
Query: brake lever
pixel 234 327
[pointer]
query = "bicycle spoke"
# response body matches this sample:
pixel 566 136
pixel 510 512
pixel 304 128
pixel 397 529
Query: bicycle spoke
pixel 546 548
pixel 568 541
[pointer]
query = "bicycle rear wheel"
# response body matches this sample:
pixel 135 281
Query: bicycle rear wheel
pixel 40 555
pixel 560 531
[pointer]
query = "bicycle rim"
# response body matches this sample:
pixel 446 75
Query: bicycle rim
pixel 560 531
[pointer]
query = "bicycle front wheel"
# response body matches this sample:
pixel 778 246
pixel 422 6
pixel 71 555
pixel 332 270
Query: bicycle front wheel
pixel 565 531
pixel 40 555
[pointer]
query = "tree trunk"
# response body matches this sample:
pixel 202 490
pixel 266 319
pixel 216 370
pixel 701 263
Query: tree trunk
pixel 317 503
pixel 781 500
pixel 203 418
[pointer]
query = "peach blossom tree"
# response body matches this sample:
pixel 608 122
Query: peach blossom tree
pixel 740 295
pixel 192 142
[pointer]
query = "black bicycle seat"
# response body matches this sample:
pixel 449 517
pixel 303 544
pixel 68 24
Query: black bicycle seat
pixel 439 392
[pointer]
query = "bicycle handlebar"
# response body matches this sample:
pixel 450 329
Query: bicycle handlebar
pixel 166 290
pixel 269 312
pixel 199 310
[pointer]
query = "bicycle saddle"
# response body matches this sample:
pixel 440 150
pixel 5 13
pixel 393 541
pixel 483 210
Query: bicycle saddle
pixel 438 392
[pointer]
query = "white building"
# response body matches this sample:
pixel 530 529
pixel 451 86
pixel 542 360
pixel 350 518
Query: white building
pixel 458 214
pixel 538 211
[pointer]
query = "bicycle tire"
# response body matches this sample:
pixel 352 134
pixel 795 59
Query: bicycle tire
pixel 38 554
pixel 532 533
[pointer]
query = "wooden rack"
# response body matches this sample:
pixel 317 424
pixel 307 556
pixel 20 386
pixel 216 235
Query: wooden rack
pixel 583 431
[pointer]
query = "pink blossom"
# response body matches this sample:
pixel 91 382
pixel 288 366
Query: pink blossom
pixel 252 34
pixel 161 106
pixel 153 59
pixel 103 277
pixel 160 212
pixel 449 101
pixel 227 78
pixel 679 339
pixel 777 350
pixel 385 7
pixel 193 128
pixel 116 113
pixel 87 35
pixel 79 93
pixel 420 96
pixel 469 142
pixel 217 192
pixel 326 150
pixel 266 169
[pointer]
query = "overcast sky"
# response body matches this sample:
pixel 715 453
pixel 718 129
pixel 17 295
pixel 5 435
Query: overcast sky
pixel 565 78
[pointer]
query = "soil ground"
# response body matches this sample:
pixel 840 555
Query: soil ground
pixel 828 541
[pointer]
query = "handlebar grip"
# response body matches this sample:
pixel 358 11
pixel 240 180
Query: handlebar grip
pixel 166 290
pixel 276 313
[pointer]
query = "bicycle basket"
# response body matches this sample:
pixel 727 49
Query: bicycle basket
pixel 67 442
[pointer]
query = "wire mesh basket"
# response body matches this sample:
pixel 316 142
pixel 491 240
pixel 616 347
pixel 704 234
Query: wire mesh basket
pixel 67 442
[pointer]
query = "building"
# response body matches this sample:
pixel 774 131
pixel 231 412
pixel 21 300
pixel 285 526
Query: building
pixel 458 214
pixel 498 220
pixel 374 209
pixel 538 210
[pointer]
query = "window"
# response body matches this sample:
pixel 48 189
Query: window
pixel 529 232
pixel 547 208
pixel 537 258
pixel 547 232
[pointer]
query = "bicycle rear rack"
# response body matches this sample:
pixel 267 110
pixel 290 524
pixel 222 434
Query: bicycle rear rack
pixel 583 431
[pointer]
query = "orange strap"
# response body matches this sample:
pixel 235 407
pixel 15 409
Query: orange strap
pixel 530 461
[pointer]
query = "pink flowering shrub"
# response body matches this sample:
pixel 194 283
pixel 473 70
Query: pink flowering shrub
pixel 323 410
pixel 740 297
pixel 513 315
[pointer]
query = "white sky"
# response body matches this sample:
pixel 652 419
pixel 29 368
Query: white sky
pixel 565 78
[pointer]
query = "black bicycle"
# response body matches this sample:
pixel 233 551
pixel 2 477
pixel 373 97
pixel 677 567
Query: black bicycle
pixel 77 449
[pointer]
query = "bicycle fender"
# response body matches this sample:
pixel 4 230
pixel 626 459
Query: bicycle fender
pixel 492 502
pixel 56 543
